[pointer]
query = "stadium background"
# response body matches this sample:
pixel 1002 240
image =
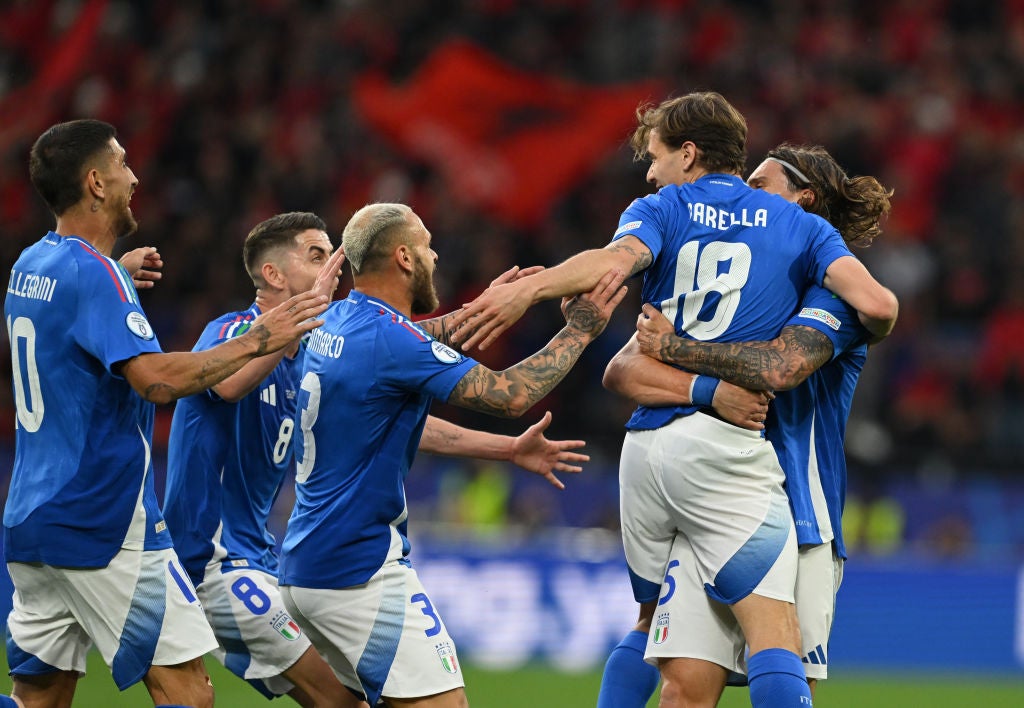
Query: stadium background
pixel 504 124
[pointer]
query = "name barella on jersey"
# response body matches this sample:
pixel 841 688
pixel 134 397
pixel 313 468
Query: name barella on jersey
pixel 370 375
pixel 226 462
pixel 807 425
pixel 82 485
pixel 730 263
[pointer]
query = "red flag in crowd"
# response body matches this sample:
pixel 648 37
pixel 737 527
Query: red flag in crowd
pixel 508 141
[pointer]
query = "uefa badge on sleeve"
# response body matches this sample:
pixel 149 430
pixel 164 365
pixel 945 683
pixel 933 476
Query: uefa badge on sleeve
pixel 446 654
pixel 661 628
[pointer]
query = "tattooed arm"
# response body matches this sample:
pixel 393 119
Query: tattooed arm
pixel 481 322
pixel 511 392
pixel 780 364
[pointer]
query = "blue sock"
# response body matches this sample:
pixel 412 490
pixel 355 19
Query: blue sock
pixel 777 680
pixel 628 681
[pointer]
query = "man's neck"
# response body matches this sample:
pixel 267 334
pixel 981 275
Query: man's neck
pixel 396 294
pixel 91 227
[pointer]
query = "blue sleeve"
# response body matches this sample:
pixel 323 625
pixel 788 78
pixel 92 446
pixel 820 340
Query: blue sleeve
pixel 643 219
pixel 826 246
pixel 411 360
pixel 830 315
pixel 111 325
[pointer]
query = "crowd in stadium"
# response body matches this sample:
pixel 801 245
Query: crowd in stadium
pixel 234 111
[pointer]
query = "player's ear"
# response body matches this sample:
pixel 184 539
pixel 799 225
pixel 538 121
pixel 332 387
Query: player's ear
pixel 94 183
pixel 272 275
pixel 807 198
pixel 404 258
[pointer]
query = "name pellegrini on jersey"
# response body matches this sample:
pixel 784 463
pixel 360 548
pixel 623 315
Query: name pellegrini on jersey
pixel 34 287
pixel 720 219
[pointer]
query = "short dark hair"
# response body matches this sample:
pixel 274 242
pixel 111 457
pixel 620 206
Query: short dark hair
pixel 706 119
pixel 276 232
pixel 59 156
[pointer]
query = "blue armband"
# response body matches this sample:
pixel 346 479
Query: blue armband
pixel 702 390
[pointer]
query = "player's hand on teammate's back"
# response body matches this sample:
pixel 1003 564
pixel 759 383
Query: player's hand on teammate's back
pixel 534 452
pixel 285 323
pixel 329 276
pixel 654 332
pixel 591 311
pixel 143 265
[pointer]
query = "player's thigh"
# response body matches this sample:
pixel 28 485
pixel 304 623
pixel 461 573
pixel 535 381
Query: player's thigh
pixel 689 624
pixel 258 637
pixel 141 611
pixel 725 487
pixel 693 683
pixel 51 690
pixel 819 574
pixel 647 530
pixel 389 636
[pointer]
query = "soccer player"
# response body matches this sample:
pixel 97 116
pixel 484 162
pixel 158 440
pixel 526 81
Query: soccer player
pixel 368 380
pixel 85 544
pixel 726 263
pixel 819 355
pixel 231 450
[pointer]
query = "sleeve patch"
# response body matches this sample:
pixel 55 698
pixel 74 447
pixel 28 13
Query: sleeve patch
pixel 139 325
pixel 444 354
pixel 631 226
pixel 814 313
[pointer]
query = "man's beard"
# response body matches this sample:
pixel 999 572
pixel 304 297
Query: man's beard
pixel 424 296
pixel 126 225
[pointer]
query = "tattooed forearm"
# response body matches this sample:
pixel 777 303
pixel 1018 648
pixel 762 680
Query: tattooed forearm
pixel 512 392
pixel 779 364
pixel 440 327
pixel 640 256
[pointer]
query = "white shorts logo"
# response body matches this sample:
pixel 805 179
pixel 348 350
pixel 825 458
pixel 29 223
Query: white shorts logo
pixel 661 629
pixel 813 313
pixel 627 227
pixel 138 325
pixel 447 656
pixel 445 355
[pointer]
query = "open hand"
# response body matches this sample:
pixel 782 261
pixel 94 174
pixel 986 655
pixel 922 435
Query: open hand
pixel 143 265
pixel 534 452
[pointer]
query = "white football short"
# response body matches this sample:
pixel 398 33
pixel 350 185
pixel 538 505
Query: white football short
pixel 383 638
pixel 687 623
pixel 258 638
pixel 819 575
pixel 719 486
pixel 139 611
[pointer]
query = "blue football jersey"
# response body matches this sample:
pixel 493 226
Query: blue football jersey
pixel 370 375
pixel 82 485
pixel 730 263
pixel 226 463
pixel 807 425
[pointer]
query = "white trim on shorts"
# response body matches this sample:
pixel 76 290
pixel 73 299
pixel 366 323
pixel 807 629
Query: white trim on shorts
pixel 819 575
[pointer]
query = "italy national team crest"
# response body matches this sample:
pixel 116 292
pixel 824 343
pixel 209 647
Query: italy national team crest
pixel 661 629
pixel 286 626
pixel 446 654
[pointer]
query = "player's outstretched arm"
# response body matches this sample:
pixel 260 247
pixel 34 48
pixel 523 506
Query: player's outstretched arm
pixel 441 327
pixel 143 265
pixel 780 364
pixel 532 450
pixel 876 305
pixel 165 377
pixel 481 322
pixel 650 382
pixel 512 392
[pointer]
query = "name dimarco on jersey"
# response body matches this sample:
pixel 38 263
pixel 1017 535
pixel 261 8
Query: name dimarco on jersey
pixel 721 219
pixel 34 287
pixel 325 344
